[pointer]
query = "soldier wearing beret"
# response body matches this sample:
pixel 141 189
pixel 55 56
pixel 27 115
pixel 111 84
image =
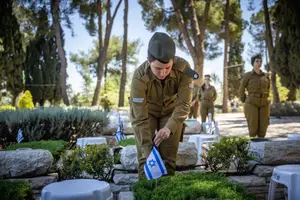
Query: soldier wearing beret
pixel 160 97
pixel 257 106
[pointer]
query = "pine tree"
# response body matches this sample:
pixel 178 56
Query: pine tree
pixel 236 67
pixel 287 49
pixel 12 55
pixel 41 67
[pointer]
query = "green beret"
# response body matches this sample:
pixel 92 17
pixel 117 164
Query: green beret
pixel 162 47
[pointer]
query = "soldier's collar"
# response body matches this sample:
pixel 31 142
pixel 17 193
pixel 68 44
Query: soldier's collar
pixel 261 72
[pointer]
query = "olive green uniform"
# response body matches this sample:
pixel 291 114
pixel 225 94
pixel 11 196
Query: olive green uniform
pixel 207 98
pixel 155 104
pixel 257 106
pixel 194 110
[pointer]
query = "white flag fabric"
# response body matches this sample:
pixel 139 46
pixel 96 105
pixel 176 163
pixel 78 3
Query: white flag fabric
pixel 120 134
pixel 210 127
pixel 154 166
pixel 20 136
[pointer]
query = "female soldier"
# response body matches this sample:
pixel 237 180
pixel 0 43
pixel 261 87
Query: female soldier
pixel 207 97
pixel 257 106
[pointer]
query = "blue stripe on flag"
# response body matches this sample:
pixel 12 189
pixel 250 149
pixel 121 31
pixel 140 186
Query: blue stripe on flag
pixel 148 173
pixel 158 161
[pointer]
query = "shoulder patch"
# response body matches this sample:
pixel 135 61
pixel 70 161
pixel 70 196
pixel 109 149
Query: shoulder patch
pixel 137 100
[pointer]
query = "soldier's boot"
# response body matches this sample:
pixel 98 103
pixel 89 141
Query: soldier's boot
pixel 264 120
pixel 251 114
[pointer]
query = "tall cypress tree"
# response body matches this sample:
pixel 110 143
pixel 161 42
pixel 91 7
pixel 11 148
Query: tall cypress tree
pixel 236 48
pixel 41 69
pixel 287 49
pixel 11 54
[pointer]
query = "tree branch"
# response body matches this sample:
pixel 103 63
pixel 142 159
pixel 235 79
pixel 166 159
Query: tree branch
pixel 99 9
pixel 116 9
pixel 194 23
pixel 183 29
pixel 205 20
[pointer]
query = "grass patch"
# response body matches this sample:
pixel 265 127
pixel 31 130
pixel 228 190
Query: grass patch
pixel 129 141
pixel 190 186
pixel 56 147
pixel 15 190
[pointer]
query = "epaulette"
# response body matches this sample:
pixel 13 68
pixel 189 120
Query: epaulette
pixel 184 67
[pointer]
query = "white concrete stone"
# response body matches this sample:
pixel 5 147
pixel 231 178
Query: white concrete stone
pixel 129 157
pixel 125 179
pixel 187 155
pixel 276 152
pixel 251 180
pixel 126 196
pixel 25 163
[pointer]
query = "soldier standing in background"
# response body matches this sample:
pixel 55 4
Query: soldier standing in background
pixel 257 105
pixel 160 97
pixel 207 96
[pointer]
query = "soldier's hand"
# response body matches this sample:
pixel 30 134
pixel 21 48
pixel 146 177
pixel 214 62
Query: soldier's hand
pixel 161 135
pixel 193 103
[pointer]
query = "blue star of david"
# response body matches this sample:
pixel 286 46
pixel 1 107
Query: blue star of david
pixel 152 163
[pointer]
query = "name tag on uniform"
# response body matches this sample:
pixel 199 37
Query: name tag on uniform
pixel 138 100
pixel 191 85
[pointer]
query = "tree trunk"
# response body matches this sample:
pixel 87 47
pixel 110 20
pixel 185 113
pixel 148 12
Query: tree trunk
pixel 124 57
pixel 269 41
pixel 225 71
pixel 61 52
pixel 198 34
pixel 103 48
pixel 292 95
pixel 14 100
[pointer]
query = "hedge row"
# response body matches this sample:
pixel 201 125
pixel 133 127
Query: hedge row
pixel 50 124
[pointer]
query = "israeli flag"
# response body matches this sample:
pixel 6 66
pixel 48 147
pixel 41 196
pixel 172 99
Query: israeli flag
pixel 154 166
pixel 20 136
pixel 119 134
pixel 210 127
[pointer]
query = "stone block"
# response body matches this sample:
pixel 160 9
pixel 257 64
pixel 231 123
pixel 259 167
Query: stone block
pixel 276 152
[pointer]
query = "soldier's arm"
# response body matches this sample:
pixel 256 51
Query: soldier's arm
pixel 243 85
pixel 215 94
pixel 182 108
pixel 139 111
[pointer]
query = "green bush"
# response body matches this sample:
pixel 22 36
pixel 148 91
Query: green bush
pixel 50 124
pixel 229 150
pixel 96 160
pixel 285 109
pixel 129 141
pixel 15 190
pixel 72 164
pixel 190 186
pixel 56 147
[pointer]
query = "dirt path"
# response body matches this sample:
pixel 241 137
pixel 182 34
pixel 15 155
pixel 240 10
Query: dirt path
pixel 234 124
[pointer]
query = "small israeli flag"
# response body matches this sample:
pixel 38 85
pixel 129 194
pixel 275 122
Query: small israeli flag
pixel 154 166
pixel 20 136
pixel 210 128
pixel 119 134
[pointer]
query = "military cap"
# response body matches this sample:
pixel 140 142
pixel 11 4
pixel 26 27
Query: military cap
pixel 161 47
